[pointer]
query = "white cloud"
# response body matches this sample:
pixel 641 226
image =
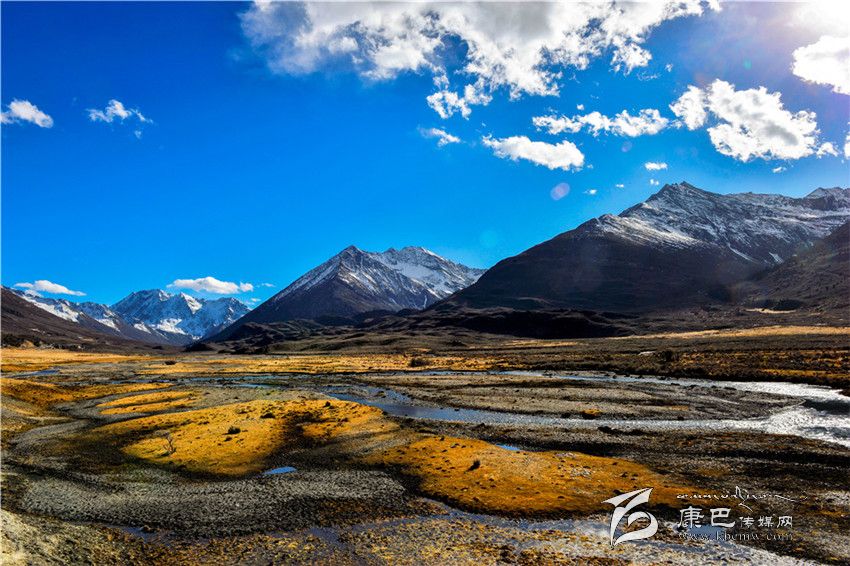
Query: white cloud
pixel 564 155
pixel 45 286
pixel 442 136
pixel 580 107
pixel 690 107
pixel 826 62
pixel 653 166
pixel 654 182
pixel 847 146
pixel 591 192
pixel 115 110
pixel 750 123
pixel 520 47
pixel 826 148
pixel 779 169
pixel 25 111
pixel 266 285
pixel 647 122
pixel 620 186
pixel 212 285
pixel 446 102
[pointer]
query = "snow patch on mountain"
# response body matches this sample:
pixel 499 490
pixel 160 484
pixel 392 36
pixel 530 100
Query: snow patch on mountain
pixel 179 318
pixel 161 316
pixel 411 277
pixel 62 308
pixel 764 228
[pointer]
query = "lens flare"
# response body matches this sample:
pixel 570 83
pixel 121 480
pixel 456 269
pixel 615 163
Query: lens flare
pixel 559 191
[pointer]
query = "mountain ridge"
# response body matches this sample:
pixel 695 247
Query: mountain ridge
pixel 150 315
pixel 354 282
pixel 682 245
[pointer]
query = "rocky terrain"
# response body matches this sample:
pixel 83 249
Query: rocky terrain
pixel 152 316
pixel 192 459
pixel 24 323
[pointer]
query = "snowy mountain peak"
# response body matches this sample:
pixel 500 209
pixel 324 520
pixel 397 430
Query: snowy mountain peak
pixel 822 192
pixel 681 187
pixel 179 318
pixel 151 315
pixel 764 228
pixel 356 281
pixel 191 302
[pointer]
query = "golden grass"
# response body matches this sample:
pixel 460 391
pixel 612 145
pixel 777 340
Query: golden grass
pixel 43 394
pixel 34 359
pixel 320 363
pixel 150 403
pixel 238 439
pixel 144 398
pixel 761 331
pixel 229 440
pixel 485 477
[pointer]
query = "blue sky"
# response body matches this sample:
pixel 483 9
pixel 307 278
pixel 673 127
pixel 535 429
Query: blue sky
pixel 245 158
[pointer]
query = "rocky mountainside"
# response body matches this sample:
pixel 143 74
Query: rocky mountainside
pixel 354 282
pixel 177 318
pixel 93 316
pixel 816 278
pixel 682 246
pixel 25 323
pixel 148 316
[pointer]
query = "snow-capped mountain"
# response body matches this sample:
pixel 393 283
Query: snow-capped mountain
pixel 760 227
pixel 148 316
pixel 682 245
pixel 58 307
pixel 25 323
pixel 356 281
pixel 177 318
pixel 93 316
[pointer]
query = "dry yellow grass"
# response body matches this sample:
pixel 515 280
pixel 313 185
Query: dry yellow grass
pixel 144 398
pixel 761 331
pixel 47 394
pixel 228 440
pixel 485 477
pixel 238 439
pixel 34 359
pixel 150 402
pixel 318 363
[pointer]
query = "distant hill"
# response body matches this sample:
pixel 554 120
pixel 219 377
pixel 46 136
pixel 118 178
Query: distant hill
pixel 23 323
pixel 153 316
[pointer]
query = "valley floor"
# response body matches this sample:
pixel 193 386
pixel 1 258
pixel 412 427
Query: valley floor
pixel 494 452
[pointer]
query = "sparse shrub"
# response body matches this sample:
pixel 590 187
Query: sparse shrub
pixel 234 430
pixel 668 356
pixel 169 441
pixel 418 362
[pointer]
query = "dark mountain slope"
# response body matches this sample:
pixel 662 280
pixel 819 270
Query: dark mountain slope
pixel 355 282
pixel 23 322
pixel 682 247
pixel 817 278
